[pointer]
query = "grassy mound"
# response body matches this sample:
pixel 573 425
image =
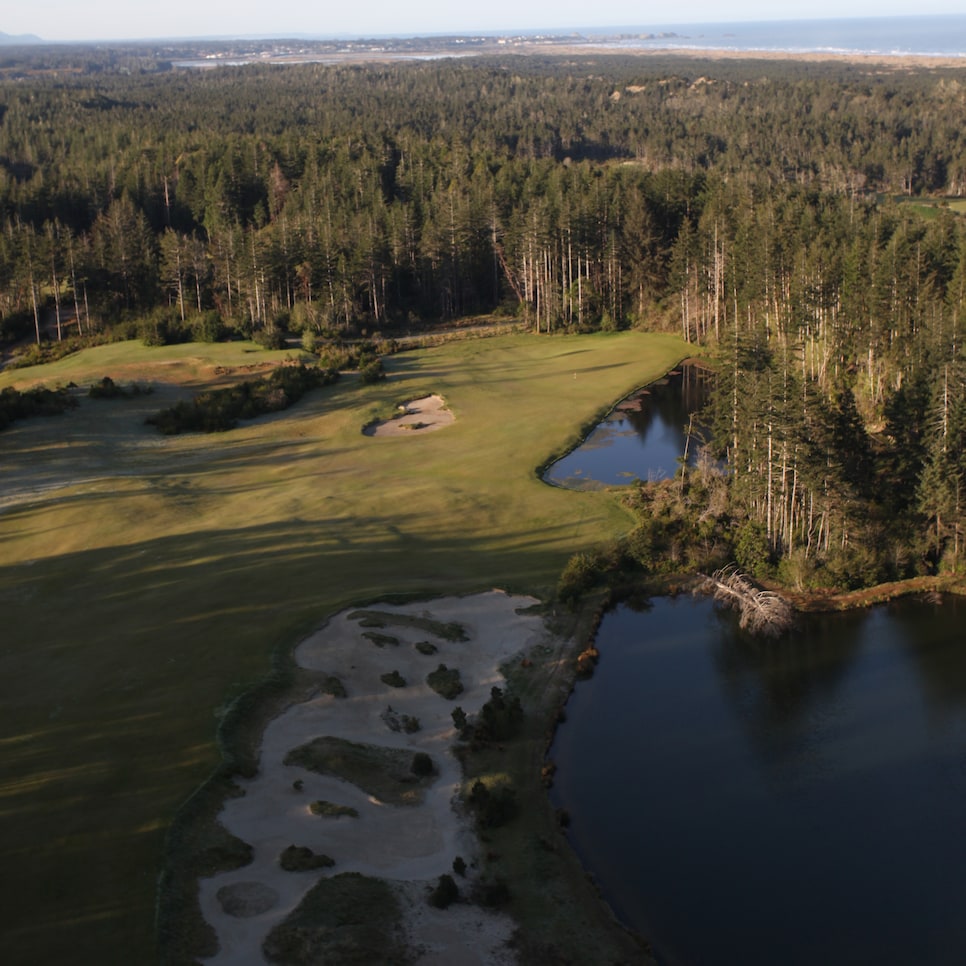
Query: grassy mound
pixel 347 919
pixel 445 682
pixel 384 773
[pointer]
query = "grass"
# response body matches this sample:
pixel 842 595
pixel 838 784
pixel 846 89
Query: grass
pixel 384 773
pixel 148 582
pixel 331 810
pixel 348 919
pixel 930 207
pixel 381 640
pixel 445 682
pixel 452 631
pixel 300 858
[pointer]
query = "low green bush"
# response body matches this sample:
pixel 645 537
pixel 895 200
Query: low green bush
pixel 381 640
pixel 445 893
pixel 41 401
pixel 300 858
pixel 422 764
pixel 445 682
pixel 493 805
pixel 331 810
pixel 219 410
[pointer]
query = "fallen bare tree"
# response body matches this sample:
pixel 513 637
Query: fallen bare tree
pixel 760 611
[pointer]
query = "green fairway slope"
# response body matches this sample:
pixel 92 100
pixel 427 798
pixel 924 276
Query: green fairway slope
pixel 146 581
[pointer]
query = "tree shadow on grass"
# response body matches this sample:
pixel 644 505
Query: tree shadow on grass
pixel 116 667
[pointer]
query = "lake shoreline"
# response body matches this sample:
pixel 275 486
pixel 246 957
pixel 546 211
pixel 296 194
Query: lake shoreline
pixel 751 683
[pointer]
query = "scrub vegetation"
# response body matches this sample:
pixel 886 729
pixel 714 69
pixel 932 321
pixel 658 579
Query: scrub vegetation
pixel 385 773
pixel 346 919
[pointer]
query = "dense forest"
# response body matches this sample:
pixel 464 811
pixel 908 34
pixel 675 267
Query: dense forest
pixel 773 213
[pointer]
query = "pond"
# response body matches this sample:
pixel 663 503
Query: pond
pixel 643 437
pixel 798 801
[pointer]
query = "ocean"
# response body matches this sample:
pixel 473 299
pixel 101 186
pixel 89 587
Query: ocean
pixel 937 36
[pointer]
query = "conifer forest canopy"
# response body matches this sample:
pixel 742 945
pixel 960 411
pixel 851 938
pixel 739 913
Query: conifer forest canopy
pixel 801 220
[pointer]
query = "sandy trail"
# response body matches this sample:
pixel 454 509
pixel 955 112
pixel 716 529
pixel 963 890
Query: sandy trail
pixel 410 846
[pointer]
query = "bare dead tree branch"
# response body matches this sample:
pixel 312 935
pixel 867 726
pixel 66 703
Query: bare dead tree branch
pixel 760 611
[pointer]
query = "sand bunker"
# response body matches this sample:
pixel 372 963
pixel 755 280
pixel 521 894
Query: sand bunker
pixel 409 846
pixel 419 416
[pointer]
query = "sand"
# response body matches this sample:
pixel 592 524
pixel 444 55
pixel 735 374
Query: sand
pixel 408 846
pixel 422 415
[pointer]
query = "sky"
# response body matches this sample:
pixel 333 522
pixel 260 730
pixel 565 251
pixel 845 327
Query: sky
pixel 70 20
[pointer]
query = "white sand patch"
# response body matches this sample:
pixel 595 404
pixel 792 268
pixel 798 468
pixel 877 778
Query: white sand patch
pixel 408 845
pixel 419 416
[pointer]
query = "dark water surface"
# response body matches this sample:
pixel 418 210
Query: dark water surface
pixel 641 438
pixel 791 802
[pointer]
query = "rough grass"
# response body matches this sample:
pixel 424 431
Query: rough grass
pixel 451 631
pixel 384 773
pixel 347 919
pixel 331 810
pixel 445 681
pixel 300 858
pixel 146 582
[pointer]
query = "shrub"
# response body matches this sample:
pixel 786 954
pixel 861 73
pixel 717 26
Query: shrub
pixel 422 764
pixel 331 810
pixel 500 718
pixel 579 575
pixel 445 682
pixel 218 410
pixel 372 372
pixel 394 679
pixel 396 721
pixel 493 806
pixel 16 405
pixel 381 640
pixel 492 893
pixel 299 858
pixel 459 719
pixel 107 388
pixel 332 685
pixel 208 327
pixel 587 660
pixel 445 893
pixel 270 337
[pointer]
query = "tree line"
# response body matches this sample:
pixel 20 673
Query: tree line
pixel 339 197
pixel 770 212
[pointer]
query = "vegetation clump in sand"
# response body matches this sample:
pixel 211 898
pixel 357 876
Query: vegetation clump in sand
pixel 331 810
pixel 445 630
pixel 445 682
pixel 381 772
pixel 300 858
pixel 347 918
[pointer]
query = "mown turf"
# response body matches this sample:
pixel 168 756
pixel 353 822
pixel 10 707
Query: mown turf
pixel 146 581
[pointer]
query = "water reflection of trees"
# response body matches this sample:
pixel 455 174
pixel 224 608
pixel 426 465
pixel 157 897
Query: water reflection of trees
pixel 932 635
pixel 674 398
pixel 779 688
